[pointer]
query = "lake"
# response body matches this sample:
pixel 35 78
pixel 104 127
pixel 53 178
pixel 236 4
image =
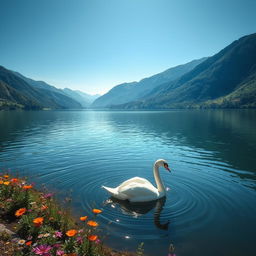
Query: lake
pixel 210 208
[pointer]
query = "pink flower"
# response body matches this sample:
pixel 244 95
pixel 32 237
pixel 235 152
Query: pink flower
pixel 58 234
pixel 79 239
pixel 42 250
pixel 59 252
pixel 48 195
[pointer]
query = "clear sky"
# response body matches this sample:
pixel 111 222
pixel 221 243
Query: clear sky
pixel 93 45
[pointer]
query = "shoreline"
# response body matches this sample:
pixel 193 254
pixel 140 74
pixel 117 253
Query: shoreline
pixel 31 220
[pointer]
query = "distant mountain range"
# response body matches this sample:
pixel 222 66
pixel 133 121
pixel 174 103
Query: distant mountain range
pixel 129 92
pixel 225 80
pixel 20 92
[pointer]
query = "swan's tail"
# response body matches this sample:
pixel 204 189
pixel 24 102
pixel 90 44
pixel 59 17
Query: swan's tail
pixel 112 191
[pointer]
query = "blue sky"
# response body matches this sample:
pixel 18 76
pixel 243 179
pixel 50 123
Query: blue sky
pixel 93 45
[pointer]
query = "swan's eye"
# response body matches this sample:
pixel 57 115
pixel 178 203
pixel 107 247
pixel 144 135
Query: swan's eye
pixel 165 165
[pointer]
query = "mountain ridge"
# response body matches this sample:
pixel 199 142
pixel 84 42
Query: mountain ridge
pixel 210 84
pixel 127 92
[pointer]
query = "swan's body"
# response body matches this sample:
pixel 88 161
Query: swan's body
pixel 139 189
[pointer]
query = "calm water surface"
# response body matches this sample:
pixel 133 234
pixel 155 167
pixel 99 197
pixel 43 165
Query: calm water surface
pixel 211 192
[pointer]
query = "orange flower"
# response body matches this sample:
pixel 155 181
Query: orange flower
pixel 1 182
pixel 96 211
pixel 27 187
pixel 83 218
pixel 38 221
pixel 28 243
pixel 92 237
pixel 92 223
pixel 20 212
pixel 44 207
pixel 6 183
pixel 6 176
pixel 71 232
pixel 14 180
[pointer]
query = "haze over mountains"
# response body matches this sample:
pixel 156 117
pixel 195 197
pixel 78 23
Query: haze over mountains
pixel 225 80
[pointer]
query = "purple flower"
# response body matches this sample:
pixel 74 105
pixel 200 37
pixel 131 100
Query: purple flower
pixel 59 252
pixel 79 239
pixel 58 234
pixel 48 195
pixel 42 250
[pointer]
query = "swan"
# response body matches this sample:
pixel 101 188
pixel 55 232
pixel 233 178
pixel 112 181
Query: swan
pixel 139 189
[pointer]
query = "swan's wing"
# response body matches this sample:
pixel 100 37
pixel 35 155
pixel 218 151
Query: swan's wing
pixel 135 191
pixel 134 180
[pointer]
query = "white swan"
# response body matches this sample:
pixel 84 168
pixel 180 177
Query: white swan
pixel 141 190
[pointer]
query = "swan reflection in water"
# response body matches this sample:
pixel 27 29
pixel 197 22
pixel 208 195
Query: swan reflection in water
pixel 138 209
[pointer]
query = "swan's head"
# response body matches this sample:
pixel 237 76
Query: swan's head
pixel 163 163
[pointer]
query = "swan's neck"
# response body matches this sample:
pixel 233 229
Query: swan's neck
pixel 159 183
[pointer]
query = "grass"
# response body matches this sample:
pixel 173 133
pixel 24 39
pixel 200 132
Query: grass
pixel 43 227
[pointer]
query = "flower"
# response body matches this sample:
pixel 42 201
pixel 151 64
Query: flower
pixel 28 243
pixel 20 212
pixel 38 221
pixel 1 182
pixel 14 180
pixel 79 240
pixel 48 195
pixel 59 252
pixel 71 232
pixel 46 234
pixel 83 218
pixel 92 223
pixel 96 211
pixel 21 242
pixel 92 237
pixel 44 207
pixel 6 176
pixel 26 187
pixel 6 183
pixel 58 234
pixel 42 249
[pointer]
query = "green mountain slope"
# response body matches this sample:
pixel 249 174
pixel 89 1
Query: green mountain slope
pixel 226 79
pixel 128 92
pixel 18 92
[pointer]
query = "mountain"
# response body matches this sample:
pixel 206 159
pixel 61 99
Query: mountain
pixel 17 92
pixel 225 80
pixel 128 92
pixel 83 98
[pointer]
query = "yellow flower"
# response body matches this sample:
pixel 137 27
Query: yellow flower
pixel 6 183
pixel 6 176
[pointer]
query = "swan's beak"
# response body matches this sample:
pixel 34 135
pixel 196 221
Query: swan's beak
pixel 167 167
